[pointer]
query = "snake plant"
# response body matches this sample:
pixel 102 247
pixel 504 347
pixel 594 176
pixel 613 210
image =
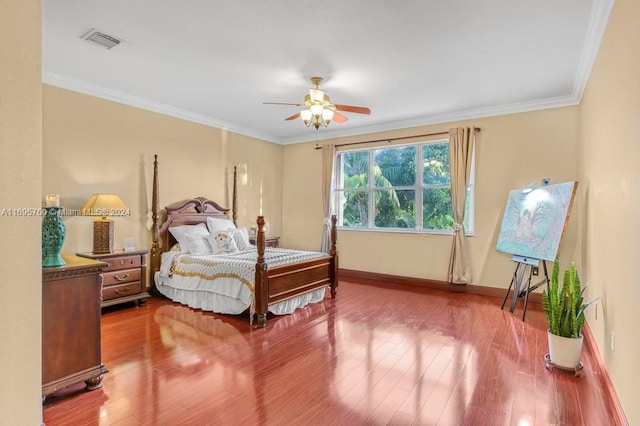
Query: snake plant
pixel 565 306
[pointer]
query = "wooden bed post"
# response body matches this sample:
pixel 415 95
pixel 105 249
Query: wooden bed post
pixel 334 256
pixel 261 284
pixel 155 215
pixel 234 199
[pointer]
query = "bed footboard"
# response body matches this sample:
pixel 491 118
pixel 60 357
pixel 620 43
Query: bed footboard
pixel 286 281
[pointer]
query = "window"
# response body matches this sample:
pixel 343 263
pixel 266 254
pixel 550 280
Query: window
pixel 382 188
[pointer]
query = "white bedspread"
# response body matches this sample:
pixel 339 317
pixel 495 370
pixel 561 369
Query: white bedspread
pixel 224 283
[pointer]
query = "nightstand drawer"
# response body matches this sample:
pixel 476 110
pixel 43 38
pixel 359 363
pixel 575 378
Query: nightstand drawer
pixel 120 277
pixel 117 291
pixel 122 262
pixel 125 277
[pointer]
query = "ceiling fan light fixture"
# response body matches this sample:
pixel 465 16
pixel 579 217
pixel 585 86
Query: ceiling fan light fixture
pixel 306 115
pixel 327 116
pixel 316 95
pixel 316 110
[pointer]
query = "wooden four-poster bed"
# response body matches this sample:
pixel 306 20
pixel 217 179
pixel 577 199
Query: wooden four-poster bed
pixel 273 279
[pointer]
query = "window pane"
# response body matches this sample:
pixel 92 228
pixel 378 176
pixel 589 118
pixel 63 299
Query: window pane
pixel 395 209
pixel 437 212
pixel 355 208
pixel 435 160
pixel 355 170
pixel 395 166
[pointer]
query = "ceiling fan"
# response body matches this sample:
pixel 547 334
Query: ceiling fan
pixel 318 109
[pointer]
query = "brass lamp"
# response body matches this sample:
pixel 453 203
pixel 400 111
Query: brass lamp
pixel 103 205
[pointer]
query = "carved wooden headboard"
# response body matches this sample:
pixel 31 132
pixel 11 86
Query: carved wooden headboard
pixel 187 212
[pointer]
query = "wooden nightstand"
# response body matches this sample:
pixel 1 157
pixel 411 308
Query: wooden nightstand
pixel 270 241
pixel 125 277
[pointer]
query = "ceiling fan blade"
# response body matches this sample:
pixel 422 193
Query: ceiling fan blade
pixel 280 103
pixel 293 117
pixel 351 108
pixel 339 118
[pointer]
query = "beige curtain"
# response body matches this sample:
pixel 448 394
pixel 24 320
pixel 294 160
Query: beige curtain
pixel 461 141
pixel 328 157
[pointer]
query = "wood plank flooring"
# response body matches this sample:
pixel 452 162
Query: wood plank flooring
pixel 376 355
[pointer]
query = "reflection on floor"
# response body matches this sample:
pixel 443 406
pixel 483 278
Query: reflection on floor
pixel 372 356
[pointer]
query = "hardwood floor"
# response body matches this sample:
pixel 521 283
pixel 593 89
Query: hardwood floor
pixel 374 356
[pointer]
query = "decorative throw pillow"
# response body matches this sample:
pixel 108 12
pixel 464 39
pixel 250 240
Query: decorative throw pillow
pixel 222 242
pixel 198 244
pixel 241 237
pixel 180 233
pixel 219 224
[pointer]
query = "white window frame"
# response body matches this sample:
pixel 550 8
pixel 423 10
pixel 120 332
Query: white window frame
pixel 418 189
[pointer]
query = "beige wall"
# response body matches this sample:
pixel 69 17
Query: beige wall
pixel 20 187
pixel 92 145
pixel 511 151
pixel 609 166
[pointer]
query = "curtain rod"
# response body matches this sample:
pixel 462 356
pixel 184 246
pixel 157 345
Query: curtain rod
pixel 476 129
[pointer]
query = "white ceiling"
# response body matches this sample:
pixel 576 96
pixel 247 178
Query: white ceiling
pixel 413 62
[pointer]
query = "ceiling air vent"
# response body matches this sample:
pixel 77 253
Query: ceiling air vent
pixel 101 39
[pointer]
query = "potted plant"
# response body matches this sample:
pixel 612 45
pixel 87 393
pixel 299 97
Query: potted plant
pixel 564 307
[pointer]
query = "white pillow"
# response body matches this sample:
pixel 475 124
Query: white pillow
pixel 222 242
pixel 198 244
pixel 218 224
pixel 241 237
pixel 180 233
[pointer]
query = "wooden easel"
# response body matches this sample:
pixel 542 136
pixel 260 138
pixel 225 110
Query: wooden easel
pixel 521 286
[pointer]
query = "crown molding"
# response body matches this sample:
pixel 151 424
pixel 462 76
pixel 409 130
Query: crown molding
pixel 124 98
pixel 598 21
pixel 91 89
pixel 489 111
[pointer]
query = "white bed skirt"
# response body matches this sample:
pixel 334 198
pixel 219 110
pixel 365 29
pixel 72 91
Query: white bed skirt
pixel 208 300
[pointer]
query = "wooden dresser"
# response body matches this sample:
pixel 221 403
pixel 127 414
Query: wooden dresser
pixel 71 316
pixel 125 277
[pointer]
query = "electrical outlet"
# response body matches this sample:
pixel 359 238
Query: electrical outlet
pixel 534 270
pixel 613 342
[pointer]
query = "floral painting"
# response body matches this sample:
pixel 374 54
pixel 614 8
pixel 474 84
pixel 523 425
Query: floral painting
pixel 534 220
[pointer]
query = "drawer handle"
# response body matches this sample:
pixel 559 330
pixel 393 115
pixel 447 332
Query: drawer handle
pixel 121 278
pixel 118 291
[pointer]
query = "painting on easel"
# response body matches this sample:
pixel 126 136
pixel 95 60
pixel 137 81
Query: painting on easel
pixel 535 219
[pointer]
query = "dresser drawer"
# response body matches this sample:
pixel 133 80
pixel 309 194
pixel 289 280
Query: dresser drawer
pixel 120 277
pixel 117 291
pixel 122 262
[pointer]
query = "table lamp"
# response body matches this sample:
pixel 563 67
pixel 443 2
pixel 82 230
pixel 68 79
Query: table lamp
pixel 103 205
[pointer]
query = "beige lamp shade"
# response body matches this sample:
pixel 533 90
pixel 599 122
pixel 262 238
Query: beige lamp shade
pixel 103 205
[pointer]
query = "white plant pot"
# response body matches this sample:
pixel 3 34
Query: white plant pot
pixel 564 352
